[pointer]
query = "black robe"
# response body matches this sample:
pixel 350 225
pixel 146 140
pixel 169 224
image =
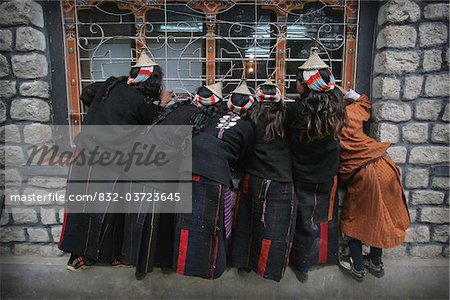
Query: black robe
pixel 97 236
pixel 149 237
pixel 200 236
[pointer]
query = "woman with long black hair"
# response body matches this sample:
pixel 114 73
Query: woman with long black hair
pixel 316 120
pixel 265 206
pixel 118 105
pixel 149 232
pixel 220 141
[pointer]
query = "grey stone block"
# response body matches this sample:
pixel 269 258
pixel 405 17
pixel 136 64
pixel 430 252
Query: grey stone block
pixel 429 155
pixel 399 11
pixel 415 133
pixel 396 62
pixel 30 66
pixel 427 197
pixel 30 109
pixel 35 89
pixel 18 12
pixel 29 39
pixel 432 34
pixel 5 39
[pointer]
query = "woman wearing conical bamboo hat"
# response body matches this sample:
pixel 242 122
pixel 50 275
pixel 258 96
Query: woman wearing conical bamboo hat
pixel 127 100
pixel 221 142
pixel 316 120
pixel 265 206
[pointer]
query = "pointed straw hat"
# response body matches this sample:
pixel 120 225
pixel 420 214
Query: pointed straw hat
pixel 144 61
pixel 216 88
pixel 314 62
pixel 242 89
pixel 269 80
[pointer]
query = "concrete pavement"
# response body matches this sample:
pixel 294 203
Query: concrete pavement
pixel 32 277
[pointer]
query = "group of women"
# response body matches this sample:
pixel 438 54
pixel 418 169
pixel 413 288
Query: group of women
pixel 285 209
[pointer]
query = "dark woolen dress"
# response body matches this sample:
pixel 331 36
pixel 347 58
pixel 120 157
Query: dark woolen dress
pixel 201 236
pixel 149 236
pixel 315 167
pixel 265 209
pixel 98 236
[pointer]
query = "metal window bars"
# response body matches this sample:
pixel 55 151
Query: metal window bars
pixel 196 41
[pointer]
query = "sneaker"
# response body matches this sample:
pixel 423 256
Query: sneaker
pixel 346 264
pixel 375 270
pixel 76 263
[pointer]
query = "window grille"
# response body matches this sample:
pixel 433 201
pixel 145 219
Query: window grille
pixel 197 41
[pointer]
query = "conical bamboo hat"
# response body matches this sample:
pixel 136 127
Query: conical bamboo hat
pixel 216 88
pixel 314 62
pixel 269 82
pixel 144 61
pixel 242 89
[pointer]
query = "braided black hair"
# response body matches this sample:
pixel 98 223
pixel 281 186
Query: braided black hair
pixel 168 110
pixel 151 88
pixel 206 113
pixel 271 114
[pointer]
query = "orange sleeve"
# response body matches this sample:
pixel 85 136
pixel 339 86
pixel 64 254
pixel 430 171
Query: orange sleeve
pixel 364 105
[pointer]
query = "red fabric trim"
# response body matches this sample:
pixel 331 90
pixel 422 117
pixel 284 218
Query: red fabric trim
pixel 63 228
pixel 263 257
pixel 245 183
pixel 332 197
pixel 216 249
pixel 182 251
pixel 236 207
pixel 323 244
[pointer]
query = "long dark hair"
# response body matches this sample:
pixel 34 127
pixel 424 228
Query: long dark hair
pixel 322 114
pixel 206 113
pixel 168 110
pixel 271 114
pixel 151 88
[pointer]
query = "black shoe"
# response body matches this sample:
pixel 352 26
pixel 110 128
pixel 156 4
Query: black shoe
pixel 140 275
pixel 346 264
pixel 375 270
pixel 302 276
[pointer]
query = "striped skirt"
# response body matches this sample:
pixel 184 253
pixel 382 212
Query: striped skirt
pixel 97 236
pixel 200 236
pixel 148 235
pixel 263 230
pixel 316 239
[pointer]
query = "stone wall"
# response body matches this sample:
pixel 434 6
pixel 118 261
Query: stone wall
pixel 25 115
pixel 410 91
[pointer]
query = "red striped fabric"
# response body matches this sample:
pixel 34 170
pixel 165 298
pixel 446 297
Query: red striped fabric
pixel 213 266
pixel 332 197
pixel 263 257
pixel 323 244
pixel 182 251
pixel 245 183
